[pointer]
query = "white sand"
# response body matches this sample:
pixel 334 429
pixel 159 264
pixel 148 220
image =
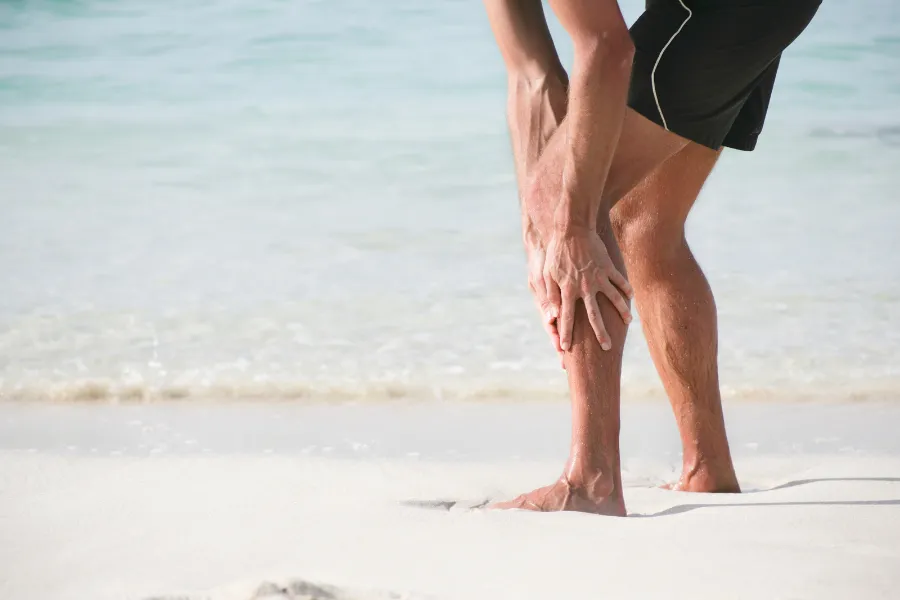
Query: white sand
pixel 180 502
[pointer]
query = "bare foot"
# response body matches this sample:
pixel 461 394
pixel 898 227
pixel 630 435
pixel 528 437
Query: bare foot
pixel 563 495
pixel 705 480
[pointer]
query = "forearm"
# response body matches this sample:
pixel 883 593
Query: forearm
pixel 523 37
pixel 599 82
pixel 543 188
pixel 535 110
pixel 537 88
pixel 596 110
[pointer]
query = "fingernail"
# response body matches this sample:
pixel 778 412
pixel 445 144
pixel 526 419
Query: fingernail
pixel 605 346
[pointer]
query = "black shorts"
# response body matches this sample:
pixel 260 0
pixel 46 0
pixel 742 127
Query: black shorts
pixel 705 69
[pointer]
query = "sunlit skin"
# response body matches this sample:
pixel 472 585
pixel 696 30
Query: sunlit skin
pixel 649 184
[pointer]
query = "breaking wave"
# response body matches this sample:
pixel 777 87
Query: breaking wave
pixel 112 392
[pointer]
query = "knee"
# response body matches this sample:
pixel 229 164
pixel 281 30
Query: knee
pixel 622 225
pixel 645 239
pixel 636 233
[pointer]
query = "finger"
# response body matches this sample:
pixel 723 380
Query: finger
pixel 539 290
pixel 553 296
pixel 554 339
pixel 615 296
pixel 554 335
pixel 553 332
pixel 546 308
pixel 566 321
pixel 562 355
pixel 593 313
pixel 620 282
pixel 550 332
pixel 540 298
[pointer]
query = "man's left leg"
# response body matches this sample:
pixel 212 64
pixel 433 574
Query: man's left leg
pixel 678 311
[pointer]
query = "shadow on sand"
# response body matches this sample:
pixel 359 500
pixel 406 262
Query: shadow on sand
pixel 447 504
pixel 683 508
pixel 791 484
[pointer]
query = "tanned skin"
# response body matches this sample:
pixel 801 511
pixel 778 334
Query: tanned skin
pixel 579 152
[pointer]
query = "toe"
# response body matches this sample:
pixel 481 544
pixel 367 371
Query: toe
pixel 516 502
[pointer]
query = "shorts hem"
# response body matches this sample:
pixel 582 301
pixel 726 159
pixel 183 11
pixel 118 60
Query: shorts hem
pixel 693 132
pixel 744 145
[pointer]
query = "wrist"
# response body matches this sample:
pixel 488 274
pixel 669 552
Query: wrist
pixel 571 218
pixel 531 236
pixel 537 219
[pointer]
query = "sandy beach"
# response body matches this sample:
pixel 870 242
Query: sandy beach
pixel 265 327
pixel 286 501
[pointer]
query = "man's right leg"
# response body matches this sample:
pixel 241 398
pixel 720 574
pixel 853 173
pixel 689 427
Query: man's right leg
pixel 678 311
pixel 591 480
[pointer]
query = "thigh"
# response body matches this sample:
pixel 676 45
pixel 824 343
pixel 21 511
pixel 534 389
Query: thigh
pixel 659 205
pixel 643 146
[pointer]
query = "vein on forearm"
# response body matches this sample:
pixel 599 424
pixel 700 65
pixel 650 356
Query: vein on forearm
pixel 596 108
pixel 536 79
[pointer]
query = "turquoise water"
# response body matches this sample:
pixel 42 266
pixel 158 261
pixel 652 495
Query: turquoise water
pixel 316 199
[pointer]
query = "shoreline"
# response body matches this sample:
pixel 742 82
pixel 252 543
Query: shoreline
pixel 109 392
pixel 430 430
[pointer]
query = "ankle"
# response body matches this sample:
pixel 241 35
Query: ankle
pixel 708 475
pixel 591 480
pixel 695 461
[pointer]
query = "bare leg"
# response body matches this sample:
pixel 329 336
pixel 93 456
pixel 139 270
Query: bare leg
pixel 678 312
pixel 592 479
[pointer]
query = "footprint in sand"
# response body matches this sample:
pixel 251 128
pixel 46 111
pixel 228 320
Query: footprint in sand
pixel 296 589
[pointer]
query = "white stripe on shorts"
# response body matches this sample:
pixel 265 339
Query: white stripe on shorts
pixel 658 58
